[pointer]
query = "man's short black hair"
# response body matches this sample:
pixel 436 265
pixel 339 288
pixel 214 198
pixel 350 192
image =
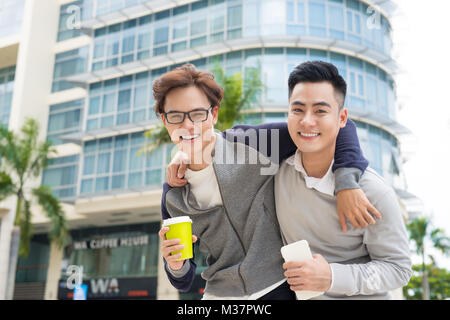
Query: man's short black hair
pixel 319 71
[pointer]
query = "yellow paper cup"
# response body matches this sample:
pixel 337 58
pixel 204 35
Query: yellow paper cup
pixel 180 228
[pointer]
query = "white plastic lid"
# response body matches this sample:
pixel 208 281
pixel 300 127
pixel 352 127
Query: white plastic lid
pixel 170 221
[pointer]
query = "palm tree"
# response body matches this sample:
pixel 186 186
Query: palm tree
pixel 24 158
pixel 420 230
pixel 239 93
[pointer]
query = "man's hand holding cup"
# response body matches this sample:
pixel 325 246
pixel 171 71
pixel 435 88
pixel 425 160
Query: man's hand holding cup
pixel 177 240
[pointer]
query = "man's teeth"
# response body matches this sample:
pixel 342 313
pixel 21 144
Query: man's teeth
pixel 190 137
pixel 309 134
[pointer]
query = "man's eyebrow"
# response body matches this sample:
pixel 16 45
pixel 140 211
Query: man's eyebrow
pixel 321 103
pixel 317 104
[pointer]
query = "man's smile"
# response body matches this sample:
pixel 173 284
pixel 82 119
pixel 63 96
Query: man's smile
pixel 309 134
pixel 189 138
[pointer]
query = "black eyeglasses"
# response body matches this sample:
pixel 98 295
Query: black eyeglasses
pixel 196 116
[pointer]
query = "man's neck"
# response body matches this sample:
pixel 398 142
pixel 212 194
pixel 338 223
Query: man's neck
pixel 316 164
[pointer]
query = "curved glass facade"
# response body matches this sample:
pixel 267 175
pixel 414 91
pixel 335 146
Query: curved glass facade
pixel 208 22
pixel 129 99
pixel 112 164
pixel 382 150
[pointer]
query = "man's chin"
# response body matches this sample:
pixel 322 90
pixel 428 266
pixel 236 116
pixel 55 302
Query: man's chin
pixel 308 148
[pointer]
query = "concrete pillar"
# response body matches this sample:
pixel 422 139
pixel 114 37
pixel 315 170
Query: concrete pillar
pixel 7 223
pixel 32 86
pixel 53 272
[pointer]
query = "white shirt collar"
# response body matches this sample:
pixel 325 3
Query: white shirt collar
pixel 326 184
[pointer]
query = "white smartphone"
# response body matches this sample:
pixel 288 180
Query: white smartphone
pixel 299 251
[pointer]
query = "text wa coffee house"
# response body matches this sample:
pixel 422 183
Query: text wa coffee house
pixel 112 263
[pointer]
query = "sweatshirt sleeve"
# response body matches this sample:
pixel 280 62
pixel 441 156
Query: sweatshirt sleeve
pixel 349 162
pixel 181 279
pixel 387 245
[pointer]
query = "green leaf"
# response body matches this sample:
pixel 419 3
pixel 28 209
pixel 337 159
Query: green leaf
pixel 7 187
pixel 440 241
pixel 52 207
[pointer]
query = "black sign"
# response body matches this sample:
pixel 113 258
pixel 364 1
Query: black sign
pixel 113 288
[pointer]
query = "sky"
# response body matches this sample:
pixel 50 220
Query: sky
pixel 422 49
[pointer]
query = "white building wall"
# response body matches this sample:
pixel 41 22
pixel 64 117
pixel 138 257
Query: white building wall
pixel 33 79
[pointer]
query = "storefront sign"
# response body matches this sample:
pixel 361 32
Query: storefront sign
pixel 112 288
pixel 111 243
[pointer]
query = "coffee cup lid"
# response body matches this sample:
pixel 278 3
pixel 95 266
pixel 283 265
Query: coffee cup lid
pixel 170 221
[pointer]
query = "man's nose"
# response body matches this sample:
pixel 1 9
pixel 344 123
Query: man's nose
pixel 307 119
pixel 187 123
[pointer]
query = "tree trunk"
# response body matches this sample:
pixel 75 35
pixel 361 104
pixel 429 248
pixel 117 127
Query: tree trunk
pixel 425 287
pixel 13 256
pixel 14 250
pixel 425 284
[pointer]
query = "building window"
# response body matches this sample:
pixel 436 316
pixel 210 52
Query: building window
pixel 64 118
pixel 6 93
pixel 34 267
pixel 381 149
pixel 116 164
pixel 107 6
pixel 120 101
pixel 172 30
pixel 61 175
pixel 67 64
pixel 68 26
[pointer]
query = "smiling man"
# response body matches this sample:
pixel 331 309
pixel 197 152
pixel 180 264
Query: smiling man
pixel 231 203
pixel 363 263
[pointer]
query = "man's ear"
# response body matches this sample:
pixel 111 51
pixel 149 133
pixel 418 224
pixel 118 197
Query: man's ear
pixel 343 116
pixel 215 114
pixel 163 119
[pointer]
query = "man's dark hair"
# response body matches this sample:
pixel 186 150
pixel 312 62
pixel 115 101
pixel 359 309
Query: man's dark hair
pixel 319 71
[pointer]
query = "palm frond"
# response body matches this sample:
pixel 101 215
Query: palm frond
pixel 55 212
pixel 8 147
pixel 440 241
pixel 7 187
pixel 418 231
pixel 27 146
pixel 252 87
pixel 40 158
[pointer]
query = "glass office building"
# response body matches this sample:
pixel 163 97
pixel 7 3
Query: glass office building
pixel 6 93
pixel 103 103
